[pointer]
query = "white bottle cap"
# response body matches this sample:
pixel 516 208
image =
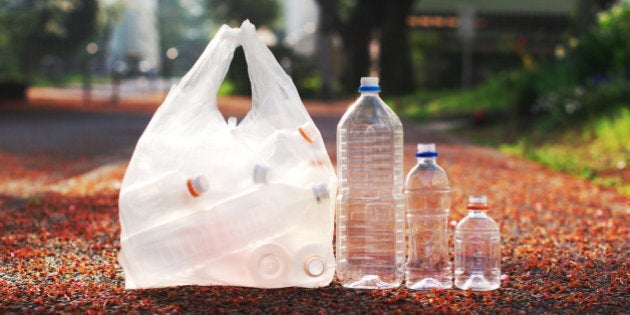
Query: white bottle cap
pixel 426 150
pixel 311 259
pixel 477 202
pixel 314 266
pixel 369 81
pixel 260 174
pixel 369 85
pixel 426 147
pixel 320 191
pixel 197 186
pixel 478 199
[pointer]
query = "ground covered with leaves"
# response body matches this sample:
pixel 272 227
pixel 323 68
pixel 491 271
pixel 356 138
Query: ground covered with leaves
pixel 565 244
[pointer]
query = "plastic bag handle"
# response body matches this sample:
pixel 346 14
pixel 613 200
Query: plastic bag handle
pixel 192 104
pixel 200 79
pixel 262 66
pixel 263 69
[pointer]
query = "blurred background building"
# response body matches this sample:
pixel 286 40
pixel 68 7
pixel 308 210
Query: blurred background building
pixel 323 44
pixel 468 41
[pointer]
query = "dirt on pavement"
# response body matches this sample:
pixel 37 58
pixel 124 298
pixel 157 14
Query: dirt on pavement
pixel 565 240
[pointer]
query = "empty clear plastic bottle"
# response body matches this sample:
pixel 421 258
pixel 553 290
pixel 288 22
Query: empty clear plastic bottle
pixel 428 196
pixel 370 204
pixel 147 204
pixel 477 249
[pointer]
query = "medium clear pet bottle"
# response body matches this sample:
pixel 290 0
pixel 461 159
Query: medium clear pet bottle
pixel 428 197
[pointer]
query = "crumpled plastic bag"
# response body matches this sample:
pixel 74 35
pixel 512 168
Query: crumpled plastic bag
pixel 206 201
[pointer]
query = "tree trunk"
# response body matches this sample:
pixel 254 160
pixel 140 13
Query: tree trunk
pixel 396 71
pixel 356 41
pixel 325 30
pixel 357 31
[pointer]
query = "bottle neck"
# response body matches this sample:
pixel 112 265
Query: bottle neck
pixel 427 160
pixel 370 93
pixel 426 157
pixel 478 210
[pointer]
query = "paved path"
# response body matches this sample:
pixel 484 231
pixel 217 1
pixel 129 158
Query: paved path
pixel 565 240
pixel 58 129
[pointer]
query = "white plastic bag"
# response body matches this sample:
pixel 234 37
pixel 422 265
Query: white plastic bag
pixel 209 202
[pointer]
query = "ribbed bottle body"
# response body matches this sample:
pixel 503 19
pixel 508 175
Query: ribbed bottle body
pixel 370 204
pixel 428 264
pixel 428 203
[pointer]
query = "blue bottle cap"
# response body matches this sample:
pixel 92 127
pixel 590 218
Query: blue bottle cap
pixel 369 84
pixel 426 150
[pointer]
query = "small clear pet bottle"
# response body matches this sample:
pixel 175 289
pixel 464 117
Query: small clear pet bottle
pixel 477 249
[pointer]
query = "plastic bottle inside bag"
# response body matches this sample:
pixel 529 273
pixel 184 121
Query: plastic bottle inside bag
pixel 311 257
pixel 301 257
pixel 229 172
pixel 291 158
pixel 151 202
pixel 227 227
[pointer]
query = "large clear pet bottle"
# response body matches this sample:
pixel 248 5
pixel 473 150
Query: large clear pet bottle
pixel 428 197
pixel 370 202
pixel 477 248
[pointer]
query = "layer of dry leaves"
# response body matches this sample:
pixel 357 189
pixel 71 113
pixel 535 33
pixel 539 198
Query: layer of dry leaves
pixel 565 246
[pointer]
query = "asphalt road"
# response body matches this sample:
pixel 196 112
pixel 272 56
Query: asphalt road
pixel 69 134
pixel 65 134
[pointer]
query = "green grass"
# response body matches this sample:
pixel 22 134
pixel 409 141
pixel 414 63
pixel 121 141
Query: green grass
pixel 571 114
pixel 226 88
pixel 426 105
pixel 594 145
pixel 499 94
pixel 598 149
pixel 66 80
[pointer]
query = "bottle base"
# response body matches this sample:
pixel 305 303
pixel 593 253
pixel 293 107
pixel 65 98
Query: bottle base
pixel 370 282
pixel 428 284
pixel 477 283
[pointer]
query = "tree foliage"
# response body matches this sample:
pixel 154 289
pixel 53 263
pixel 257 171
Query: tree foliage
pixel 30 29
pixel 605 49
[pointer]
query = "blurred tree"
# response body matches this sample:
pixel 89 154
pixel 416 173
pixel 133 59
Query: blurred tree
pixel 587 11
pixel 31 29
pixel 604 51
pixel 395 55
pixel 358 21
pixel 234 12
pixel 110 13
pixel 183 26
pixel 262 13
